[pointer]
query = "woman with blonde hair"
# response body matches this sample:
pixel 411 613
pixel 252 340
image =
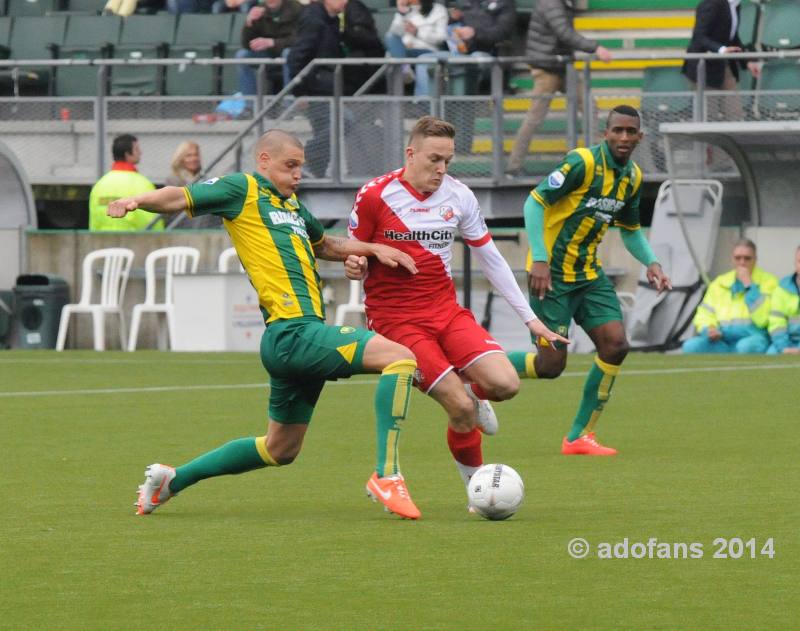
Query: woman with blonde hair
pixel 185 165
pixel 184 169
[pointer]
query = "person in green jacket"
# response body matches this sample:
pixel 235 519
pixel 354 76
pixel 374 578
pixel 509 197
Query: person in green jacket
pixel 123 180
pixel 784 315
pixel 733 316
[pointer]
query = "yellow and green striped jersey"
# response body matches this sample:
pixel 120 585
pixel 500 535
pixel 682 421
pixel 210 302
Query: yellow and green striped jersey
pixel 273 236
pixel 588 192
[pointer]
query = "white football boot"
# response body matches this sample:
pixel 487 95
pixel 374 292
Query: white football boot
pixel 484 413
pixel 155 490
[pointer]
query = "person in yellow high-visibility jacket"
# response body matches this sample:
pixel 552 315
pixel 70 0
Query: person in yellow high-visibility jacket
pixel 784 315
pixel 734 314
pixel 123 180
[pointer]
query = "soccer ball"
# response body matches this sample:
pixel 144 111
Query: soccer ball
pixel 495 491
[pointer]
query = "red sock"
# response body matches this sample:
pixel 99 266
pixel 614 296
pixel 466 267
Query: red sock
pixel 465 447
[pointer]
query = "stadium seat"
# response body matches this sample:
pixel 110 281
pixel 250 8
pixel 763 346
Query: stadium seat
pixel 87 37
pixel 142 37
pixel 177 260
pixel 225 259
pixel 19 8
pixel 748 23
pixel 663 79
pixel 780 24
pixel 84 6
pixel 32 38
pixel 779 74
pixel 198 36
pixel 354 303
pixel 230 76
pixel 116 267
pixel 5 36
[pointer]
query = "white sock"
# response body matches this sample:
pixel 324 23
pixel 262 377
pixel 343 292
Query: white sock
pixel 466 471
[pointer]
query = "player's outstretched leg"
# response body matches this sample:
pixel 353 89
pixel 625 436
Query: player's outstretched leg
pixel 484 412
pixel 387 485
pixel 237 456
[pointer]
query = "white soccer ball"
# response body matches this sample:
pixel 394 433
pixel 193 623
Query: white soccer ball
pixel 496 491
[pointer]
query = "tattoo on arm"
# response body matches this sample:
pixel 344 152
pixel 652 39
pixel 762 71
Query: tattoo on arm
pixel 330 249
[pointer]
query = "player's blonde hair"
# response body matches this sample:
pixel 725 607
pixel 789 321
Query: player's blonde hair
pixel 431 127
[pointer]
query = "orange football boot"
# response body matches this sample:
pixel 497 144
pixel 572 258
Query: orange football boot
pixel 585 445
pixel 392 492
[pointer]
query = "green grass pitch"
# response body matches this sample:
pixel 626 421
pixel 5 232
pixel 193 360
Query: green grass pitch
pixel 708 448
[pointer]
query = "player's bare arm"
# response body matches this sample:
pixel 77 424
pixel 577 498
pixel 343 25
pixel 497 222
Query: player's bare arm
pixel 170 199
pixel 540 280
pixel 339 248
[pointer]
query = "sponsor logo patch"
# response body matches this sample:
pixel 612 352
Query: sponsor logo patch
pixel 555 179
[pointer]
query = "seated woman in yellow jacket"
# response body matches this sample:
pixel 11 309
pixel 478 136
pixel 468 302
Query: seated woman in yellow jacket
pixel 734 314
pixel 784 315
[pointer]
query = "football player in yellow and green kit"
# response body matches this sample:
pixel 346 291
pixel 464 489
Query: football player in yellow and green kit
pixel 566 217
pixel 277 241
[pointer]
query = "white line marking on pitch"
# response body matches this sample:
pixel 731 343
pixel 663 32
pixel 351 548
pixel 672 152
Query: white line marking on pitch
pixel 365 382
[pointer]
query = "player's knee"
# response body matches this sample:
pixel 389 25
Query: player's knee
pixel 615 351
pixel 462 413
pixel 502 389
pixel 401 353
pixel 284 458
pixel 550 370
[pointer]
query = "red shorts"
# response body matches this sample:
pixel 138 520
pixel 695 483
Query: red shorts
pixel 454 342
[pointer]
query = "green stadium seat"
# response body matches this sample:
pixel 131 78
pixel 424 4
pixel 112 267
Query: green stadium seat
pixel 19 8
pixel 748 22
pixel 142 37
pixel 779 74
pixel 383 20
pixel 5 37
pixel 658 80
pixel 87 37
pixel 33 38
pixel 85 6
pixel 378 5
pixel 780 24
pixel 230 78
pixel 198 36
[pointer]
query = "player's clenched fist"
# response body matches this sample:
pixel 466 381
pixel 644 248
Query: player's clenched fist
pixel 121 207
pixel 355 267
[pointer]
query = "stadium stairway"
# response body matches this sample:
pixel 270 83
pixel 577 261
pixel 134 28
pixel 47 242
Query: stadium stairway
pixel 661 26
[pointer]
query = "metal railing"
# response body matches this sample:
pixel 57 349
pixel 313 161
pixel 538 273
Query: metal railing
pixel 355 126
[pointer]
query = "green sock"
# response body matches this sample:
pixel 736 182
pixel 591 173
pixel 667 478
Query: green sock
pixel 523 363
pixel 596 391
pixel 391 406
pixel 237 456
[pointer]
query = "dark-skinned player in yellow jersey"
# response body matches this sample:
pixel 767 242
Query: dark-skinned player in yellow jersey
pixel 566 217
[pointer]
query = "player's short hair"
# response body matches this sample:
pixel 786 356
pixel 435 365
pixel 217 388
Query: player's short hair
pixel 744 242
pixel 122 144
pixel 624 110
pixel 431 127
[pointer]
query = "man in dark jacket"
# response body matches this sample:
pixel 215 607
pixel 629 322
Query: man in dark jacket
pixel 715 31
pixel 268 32
pixel 550 32
pixel 361 39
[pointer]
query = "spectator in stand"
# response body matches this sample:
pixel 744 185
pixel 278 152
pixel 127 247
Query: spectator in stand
pixel 550 32
pixel 177 7
pixel 734 314
pixel 123 180
pixel 185 168
pixel 268 33
pixel 233 6
pixel 784 315
pixel 716 31
pixel 418 27
pixel 361 39
pixel 318 35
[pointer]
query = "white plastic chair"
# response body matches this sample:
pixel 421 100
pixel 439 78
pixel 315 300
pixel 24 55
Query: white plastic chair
pixel 225 258
pixel 353 304
pixel 116 264
pixel 178 260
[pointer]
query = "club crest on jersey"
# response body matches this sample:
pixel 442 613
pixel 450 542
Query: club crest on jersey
pixel 353 221
pixel 447 213
pixel 555 179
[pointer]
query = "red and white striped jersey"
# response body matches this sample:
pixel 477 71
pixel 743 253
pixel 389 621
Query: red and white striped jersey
pixel 388 210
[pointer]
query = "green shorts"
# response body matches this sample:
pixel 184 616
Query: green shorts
pixel 590 303
pixel 300 355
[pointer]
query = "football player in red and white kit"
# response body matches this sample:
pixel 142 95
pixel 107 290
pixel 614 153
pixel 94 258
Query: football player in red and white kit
pixel 419 209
